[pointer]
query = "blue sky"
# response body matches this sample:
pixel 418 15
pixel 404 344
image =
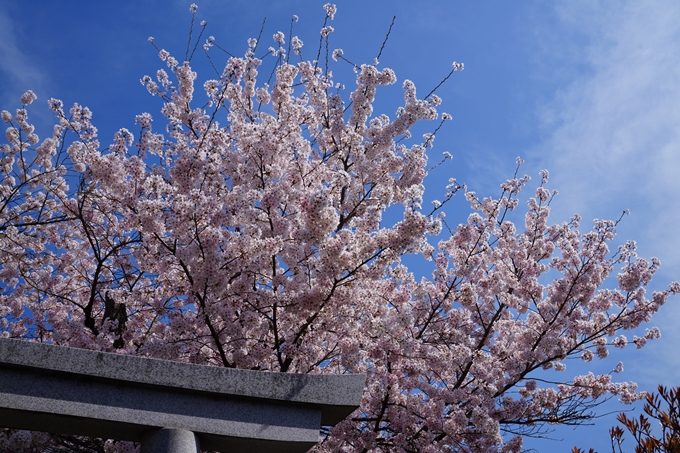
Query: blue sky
pixel 586 89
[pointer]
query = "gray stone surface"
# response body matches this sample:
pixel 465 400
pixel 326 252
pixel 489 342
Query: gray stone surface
pixel 167 440
pixel 338 395
pixel 75 391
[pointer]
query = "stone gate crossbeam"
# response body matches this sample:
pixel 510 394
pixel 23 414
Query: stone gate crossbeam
pixel 75 391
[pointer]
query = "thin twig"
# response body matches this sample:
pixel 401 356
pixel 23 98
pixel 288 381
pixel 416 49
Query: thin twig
pixel 204 24
pixel 326 56
pixel 211 62
pixel 455 68
pixel 290 38
pixel 191 30
pixel 318 52
pixel 259 37
pixel 386 38
pixel 224 50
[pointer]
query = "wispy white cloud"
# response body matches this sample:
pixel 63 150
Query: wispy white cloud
pixel 613 139
pixel 17 71
pixel 612 142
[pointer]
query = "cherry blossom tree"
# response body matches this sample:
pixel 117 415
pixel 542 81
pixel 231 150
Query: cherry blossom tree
pixel 245 228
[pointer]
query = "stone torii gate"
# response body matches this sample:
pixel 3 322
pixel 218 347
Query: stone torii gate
pixel 168 406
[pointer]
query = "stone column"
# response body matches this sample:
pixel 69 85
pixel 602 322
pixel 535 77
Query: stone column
pixel 168 440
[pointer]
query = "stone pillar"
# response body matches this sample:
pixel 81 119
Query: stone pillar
pixel 168 440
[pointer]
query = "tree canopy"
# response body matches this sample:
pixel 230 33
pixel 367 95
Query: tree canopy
pixel 245 227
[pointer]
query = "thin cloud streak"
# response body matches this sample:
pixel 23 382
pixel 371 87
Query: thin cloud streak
pixel 615 140
pixel 17 71
pixel 611 133
pixel 613 143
